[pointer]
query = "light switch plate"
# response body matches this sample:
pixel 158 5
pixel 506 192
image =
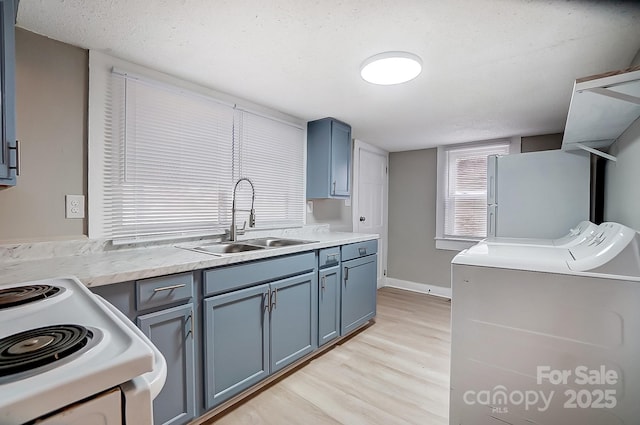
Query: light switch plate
pixel 74 206
pixel 310 207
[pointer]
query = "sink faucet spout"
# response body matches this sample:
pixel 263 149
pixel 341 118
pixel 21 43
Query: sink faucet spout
pixel 234 231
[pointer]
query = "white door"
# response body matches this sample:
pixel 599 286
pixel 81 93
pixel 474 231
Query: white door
pixel 370 197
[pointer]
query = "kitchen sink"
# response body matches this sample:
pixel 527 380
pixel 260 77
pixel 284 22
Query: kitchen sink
pixel 275 242
pixel 226 248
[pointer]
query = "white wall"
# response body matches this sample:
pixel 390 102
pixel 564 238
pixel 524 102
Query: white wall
pixel 622 179
pixel 333 212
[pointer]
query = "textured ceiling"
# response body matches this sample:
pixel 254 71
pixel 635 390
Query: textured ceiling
pixel 493 68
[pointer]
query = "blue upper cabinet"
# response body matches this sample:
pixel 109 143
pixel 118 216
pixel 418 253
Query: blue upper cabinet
pixel 8 147
pixel 328 159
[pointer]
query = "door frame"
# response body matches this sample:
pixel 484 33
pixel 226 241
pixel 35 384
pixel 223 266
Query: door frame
pixel 355 214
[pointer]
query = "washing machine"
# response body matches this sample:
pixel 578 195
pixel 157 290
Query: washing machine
pixel 581 232
pixel 547 334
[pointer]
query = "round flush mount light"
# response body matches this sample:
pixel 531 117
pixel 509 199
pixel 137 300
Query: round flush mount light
pixel 391 68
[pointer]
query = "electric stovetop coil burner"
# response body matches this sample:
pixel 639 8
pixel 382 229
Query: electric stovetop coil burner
pixel 19 295
pixel 34 348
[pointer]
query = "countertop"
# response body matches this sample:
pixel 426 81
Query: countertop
pixel 98 266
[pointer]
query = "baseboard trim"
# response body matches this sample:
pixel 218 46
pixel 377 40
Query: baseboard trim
pixel 423 288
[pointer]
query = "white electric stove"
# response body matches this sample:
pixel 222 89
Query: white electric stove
pixel 69 357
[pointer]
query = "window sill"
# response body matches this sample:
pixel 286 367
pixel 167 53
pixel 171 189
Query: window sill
pixel 455 244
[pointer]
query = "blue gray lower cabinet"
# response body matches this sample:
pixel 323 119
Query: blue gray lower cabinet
pixel 294 319
pixel 171 331
pixel 171 328
pixel 328 304
pixel 359 284
pixel 251 333
pixel 236 342
pixel 258 318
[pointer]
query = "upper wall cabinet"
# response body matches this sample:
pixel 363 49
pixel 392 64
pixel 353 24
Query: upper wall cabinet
pixel 328 159
pixel 602 108
pixel 9 145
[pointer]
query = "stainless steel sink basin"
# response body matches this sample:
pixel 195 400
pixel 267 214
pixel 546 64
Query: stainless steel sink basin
pixel 275 242
pixel 226 248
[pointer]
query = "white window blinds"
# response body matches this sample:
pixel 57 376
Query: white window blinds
pixel 465 199
pixel 169 170
pixel 171 157
pixel 271 154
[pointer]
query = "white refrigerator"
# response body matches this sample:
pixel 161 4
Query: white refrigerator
pixel 537 194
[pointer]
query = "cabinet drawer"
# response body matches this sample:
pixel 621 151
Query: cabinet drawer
pixel 329 257
pixel 359 249
pixel 163 290
pixel 224 279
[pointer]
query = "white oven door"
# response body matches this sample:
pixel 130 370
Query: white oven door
pixel 104 409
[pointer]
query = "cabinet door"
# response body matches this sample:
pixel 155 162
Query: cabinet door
pixel 340 159
pixel 236 342
pixel 171 331
pixel 8 154
pixel 328 304
pixel 359 285
pixel 294 315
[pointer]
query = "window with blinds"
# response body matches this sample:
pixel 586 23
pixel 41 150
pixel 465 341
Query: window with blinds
pixel 465 194
pixel 271 154
pixel 172 157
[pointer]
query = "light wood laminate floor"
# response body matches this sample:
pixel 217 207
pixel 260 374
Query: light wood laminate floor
pixel 394 372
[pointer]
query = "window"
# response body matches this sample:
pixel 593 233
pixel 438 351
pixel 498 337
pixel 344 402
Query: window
pixel 271 154
pixel 166 160
pixel 462 192
pixel 169 161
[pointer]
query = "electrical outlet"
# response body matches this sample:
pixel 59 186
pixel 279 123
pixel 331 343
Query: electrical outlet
pixel 74 206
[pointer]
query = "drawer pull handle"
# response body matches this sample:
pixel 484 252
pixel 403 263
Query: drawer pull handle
pixel 346 274
pixel 334 256
pixel 169 288
pixel 362 251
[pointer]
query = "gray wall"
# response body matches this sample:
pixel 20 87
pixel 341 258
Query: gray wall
pixel 622 178
pixel 412 214
pixel 412 220
pixel 51 88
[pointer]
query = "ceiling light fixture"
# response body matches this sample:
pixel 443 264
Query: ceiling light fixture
pixel 391 68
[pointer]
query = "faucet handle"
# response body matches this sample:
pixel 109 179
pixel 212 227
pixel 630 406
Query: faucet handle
pixel 240 230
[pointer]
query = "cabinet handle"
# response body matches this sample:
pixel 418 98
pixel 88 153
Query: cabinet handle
pixel 169 288
pixel 267 301
pixel 190 331
pixel 333 256
pixel 334 188
pixel 322 282
pixel 274 299
pixel 17 149
pixel 346 274
pixel 362 251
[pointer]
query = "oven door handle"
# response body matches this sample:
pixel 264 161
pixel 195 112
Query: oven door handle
pixel 157 377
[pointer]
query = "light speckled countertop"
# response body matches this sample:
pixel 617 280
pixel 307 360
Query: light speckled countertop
pixel 94 266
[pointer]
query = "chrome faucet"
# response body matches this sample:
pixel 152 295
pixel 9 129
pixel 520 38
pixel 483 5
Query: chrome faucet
pixel 234 231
